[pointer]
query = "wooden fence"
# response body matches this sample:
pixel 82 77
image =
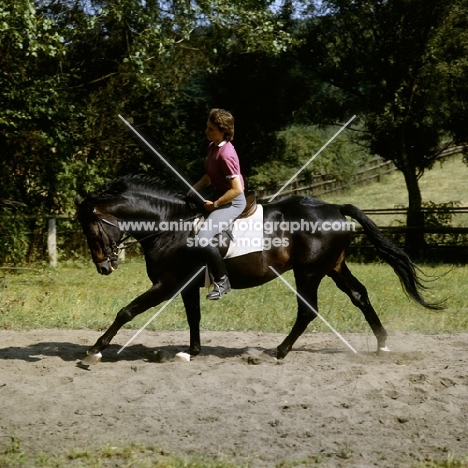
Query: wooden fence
pixel 318 184
pixel 444 241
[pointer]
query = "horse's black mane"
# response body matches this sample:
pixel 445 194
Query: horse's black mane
pixel 142 183
pixel 144 187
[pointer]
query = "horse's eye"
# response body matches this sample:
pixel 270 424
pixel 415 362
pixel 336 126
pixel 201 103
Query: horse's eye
pixel 92 235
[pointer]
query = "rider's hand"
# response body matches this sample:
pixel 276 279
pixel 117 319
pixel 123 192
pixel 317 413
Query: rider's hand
pixel 209 206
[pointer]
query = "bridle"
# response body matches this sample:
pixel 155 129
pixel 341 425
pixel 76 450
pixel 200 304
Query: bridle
pixel 112 251
pixel 111 248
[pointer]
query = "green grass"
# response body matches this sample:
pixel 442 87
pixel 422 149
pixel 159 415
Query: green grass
pixel 76 296
pixel 129 456
pixel 449 463
pixel 142 456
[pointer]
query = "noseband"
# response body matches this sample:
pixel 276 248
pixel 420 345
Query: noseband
pixel 111 250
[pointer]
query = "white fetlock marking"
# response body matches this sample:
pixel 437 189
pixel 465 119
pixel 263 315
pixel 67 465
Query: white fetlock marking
pixel 183 356
pixel 386 349
pixel 91 359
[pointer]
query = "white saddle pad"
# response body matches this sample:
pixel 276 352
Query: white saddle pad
pixel 248 235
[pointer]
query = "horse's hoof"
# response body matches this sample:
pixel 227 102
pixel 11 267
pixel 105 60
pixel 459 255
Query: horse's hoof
pixel 273 353
pixel 281 354
pixel 383 351
pixel 91 359
pixel 185 357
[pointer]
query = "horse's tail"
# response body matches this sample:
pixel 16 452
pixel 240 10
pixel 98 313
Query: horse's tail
pixel 402 265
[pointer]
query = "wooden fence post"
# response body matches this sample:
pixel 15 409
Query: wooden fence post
pixel 52 241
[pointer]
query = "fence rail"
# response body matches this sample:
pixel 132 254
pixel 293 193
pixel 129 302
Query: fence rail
pixel 319 184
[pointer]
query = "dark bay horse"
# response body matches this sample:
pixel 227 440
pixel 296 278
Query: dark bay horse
pixel 170 263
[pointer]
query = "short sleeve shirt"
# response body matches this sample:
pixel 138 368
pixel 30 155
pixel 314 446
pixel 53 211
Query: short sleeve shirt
pixel 222 164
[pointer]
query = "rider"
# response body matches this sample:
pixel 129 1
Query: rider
pixel 222 172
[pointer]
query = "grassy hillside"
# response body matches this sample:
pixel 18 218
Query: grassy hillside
pixel 446 182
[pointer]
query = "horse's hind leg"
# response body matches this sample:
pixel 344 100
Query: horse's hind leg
pixel 307 288
pixel 357 292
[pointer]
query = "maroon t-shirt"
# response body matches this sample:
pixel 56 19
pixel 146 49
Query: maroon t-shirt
pixel 222 163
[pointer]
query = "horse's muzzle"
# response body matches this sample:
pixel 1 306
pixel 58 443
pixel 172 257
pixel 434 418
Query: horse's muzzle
pixel 107 266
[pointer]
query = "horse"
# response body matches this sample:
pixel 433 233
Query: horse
pixel 171 261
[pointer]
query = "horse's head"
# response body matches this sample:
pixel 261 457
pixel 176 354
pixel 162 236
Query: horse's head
pixel 102 234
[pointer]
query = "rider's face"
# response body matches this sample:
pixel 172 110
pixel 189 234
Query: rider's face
pixel 213 133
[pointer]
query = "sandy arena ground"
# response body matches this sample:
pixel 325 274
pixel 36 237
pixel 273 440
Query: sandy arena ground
pixel 322 403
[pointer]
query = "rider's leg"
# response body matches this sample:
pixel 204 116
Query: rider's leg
pixel 216 222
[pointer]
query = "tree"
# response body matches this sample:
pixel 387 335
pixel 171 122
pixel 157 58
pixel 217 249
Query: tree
pixel 33 130
pixel 381 60
pixel 299 143
pixel 450 74
pixel 69 67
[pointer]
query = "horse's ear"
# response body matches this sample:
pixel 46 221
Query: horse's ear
pixel 89 206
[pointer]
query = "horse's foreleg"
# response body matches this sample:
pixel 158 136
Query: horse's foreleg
pixel 191 298
pixel 357 292
pixel 154 296
pixel 307 288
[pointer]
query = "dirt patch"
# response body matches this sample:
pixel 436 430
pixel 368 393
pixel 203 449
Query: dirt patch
pixel 321 403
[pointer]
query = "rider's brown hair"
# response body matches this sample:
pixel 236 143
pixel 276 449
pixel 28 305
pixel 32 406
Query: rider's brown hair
pixel 224 121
